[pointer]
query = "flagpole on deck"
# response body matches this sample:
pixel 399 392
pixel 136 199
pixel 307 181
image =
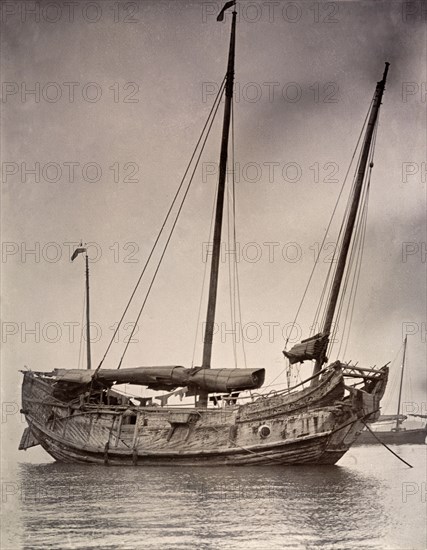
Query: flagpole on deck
pixel 89 360
pixel 80 250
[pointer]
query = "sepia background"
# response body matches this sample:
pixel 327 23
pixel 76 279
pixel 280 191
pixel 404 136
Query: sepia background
pixel 102 104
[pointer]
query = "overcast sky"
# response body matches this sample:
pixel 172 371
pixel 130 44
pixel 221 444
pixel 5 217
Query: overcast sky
pixel 120 96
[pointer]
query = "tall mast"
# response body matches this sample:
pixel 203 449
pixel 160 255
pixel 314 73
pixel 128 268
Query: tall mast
pixel 213 286
pixel 89 361
pixel 401 383
pixel 342 259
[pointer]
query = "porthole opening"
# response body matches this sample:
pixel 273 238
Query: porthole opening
pixel 264 431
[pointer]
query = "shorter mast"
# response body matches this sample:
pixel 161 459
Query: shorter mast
pixel 401 384
pixel 351 220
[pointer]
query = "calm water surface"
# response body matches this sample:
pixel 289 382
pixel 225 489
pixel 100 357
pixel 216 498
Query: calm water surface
pixel 369 501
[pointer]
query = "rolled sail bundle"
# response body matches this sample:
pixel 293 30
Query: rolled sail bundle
pixel 308 349
pixel 161 378
pixel 226 380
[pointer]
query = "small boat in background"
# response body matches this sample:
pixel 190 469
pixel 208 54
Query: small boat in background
pixel 399 434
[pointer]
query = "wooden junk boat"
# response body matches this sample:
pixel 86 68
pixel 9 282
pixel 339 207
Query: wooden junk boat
pixel 78 416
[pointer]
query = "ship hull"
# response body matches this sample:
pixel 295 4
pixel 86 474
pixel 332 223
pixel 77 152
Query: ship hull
pixel 316 425
pixel 403 437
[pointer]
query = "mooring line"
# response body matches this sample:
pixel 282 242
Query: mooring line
pixel 388 448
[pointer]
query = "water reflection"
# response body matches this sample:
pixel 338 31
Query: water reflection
pixel 73 506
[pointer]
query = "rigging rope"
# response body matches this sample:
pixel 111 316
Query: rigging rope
pixel 212 112
pixel 231 269
pixel 171 232
pixel 236 264
pixel 205 271
pixel 354 246
pixel 315 320
pixel 355 283
pixel 316 261
pixel 347 301
pixel 354 258
pixel 333 265
pixel 357 270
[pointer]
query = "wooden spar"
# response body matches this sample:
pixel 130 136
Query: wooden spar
pixel 342 258
pixel 401 383
pixel 76 252
pixel 213 285
pixel 89 360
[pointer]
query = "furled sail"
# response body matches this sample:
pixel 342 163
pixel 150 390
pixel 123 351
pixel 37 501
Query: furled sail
pixel 308 349
pixel 164 378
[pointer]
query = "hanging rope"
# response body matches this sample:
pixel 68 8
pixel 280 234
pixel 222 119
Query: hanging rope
pixel 355 285
pixel 348 318
pixel 208 122
pixel 354 252
pixel 316 261
pixel 171 232
pixel 205 271
pixel 236 263
pixel 231 263
pixel 332 267
pixel 352 275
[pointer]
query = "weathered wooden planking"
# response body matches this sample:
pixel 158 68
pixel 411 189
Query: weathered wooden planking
pixel 310 426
